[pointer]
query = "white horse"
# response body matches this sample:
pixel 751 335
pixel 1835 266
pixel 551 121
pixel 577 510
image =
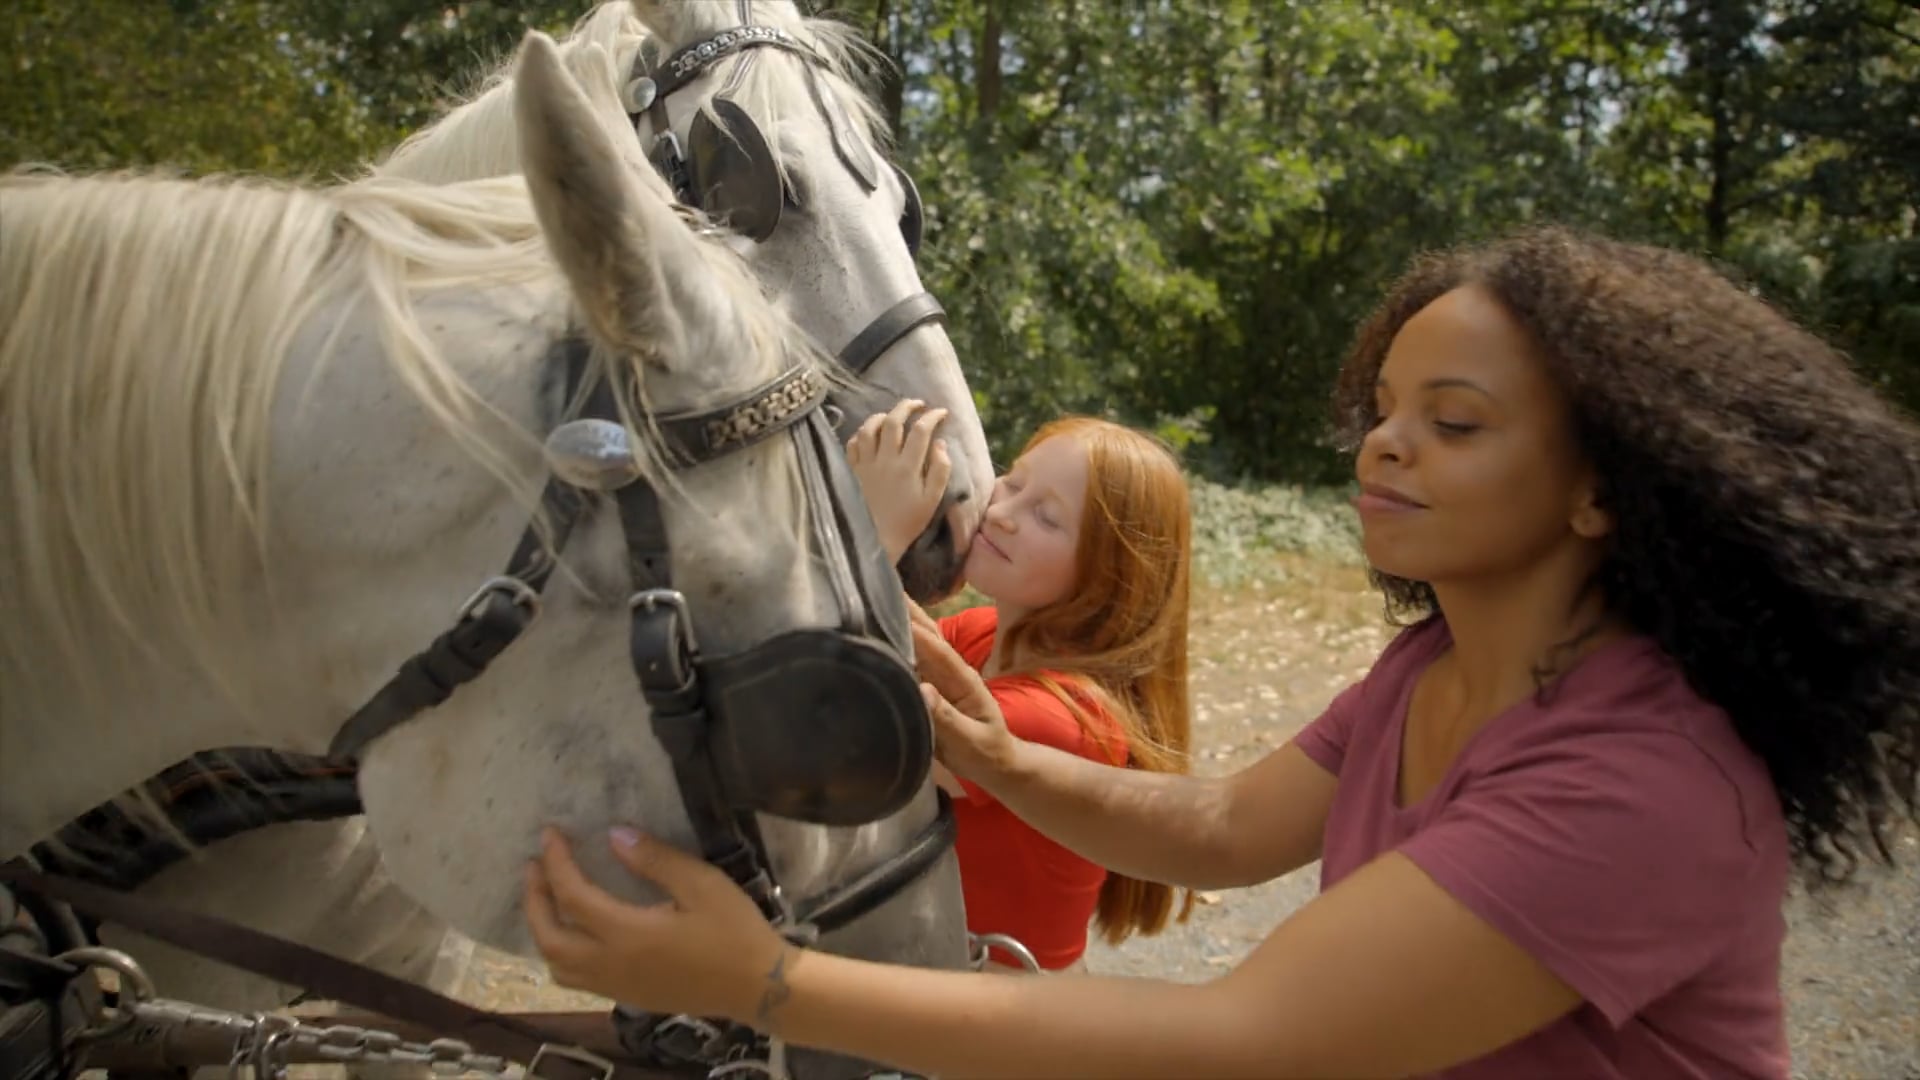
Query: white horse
pixel 262 440
pixel 839 262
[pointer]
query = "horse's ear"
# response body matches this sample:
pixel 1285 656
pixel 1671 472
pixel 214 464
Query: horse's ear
pixel 594 71
pixel 617 240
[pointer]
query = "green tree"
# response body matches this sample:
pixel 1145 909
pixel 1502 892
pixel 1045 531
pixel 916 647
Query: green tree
pixel 200 87
pixel 1169 211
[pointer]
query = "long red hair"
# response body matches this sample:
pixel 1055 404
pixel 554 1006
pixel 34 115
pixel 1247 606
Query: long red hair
pixel 1120 634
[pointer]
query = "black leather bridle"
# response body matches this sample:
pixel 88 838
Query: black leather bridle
pixel 731 170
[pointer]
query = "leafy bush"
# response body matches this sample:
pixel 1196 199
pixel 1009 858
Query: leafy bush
pixel 1240 529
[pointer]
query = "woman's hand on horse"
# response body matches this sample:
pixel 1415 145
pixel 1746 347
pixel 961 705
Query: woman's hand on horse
pixel 902 470
pixel 944 779
pixel 918 616
pixel 970 734
pixel 707 952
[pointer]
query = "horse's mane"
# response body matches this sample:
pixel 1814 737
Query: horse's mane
pixel 144 325
pixel 475 137
pixel 146 321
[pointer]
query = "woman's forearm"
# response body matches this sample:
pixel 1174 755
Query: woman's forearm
pixel 1152 826
pixel 955 1025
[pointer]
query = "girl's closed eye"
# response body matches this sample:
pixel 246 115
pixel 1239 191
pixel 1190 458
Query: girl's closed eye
pixel 1456 427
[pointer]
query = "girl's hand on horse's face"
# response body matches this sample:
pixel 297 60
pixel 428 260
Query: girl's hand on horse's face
pixel 971 735
pixel 706 953
pixel 903 472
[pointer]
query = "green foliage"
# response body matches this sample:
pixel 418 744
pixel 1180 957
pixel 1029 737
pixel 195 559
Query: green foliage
pixel 280 87
pixel 1242 531
pixel 1871 295
pixel 1183 210
pixel 405 58
pixel 1239 528
pixel 1169 213
pixel 202 88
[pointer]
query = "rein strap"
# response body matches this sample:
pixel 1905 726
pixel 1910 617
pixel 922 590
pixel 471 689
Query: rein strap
pixel 512 1038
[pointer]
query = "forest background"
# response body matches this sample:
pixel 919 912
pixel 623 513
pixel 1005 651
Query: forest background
pixel 1172 212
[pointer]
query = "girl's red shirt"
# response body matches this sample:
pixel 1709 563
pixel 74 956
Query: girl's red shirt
pixel 1016 881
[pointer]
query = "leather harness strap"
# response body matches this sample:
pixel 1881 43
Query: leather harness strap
pixel 514 1039
pixel 893 324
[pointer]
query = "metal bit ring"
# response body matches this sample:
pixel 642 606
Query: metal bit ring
pixel 136 986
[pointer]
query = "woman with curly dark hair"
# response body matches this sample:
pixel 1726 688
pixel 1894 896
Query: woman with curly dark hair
pixel 1661 548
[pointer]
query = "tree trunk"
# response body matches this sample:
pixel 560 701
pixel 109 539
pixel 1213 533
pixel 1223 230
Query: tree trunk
pixel 1206 68
pixel 1269 78
pixel 986 72
pixel 893 79
pixel 1719 158
pixel 1720 38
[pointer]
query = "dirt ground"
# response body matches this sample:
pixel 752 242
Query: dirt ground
pixel 1266 659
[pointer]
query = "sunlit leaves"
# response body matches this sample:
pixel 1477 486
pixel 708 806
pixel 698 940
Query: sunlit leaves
pixel 1172 211
pixel 202 87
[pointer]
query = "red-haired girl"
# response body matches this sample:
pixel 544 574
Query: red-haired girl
pixel 1085 553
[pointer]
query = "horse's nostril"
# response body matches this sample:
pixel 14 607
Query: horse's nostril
pixel 962 497
pixel 943 534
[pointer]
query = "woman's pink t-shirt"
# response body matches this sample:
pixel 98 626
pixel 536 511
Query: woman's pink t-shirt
pixel 1619 831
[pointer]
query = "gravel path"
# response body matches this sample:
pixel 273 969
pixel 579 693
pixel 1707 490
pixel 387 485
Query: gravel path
pixel 1266 660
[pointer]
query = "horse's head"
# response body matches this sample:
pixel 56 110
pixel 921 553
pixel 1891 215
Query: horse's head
pixel 752 110
pixel 779 142
pixel 722 519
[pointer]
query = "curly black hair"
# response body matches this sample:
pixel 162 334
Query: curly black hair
pixel 1767 504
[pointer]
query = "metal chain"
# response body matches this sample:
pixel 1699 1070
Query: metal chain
pixel 263 1039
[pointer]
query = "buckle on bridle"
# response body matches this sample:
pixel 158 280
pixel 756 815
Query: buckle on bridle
pixel 519 593
pixel 649 599
pixel 602 1069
